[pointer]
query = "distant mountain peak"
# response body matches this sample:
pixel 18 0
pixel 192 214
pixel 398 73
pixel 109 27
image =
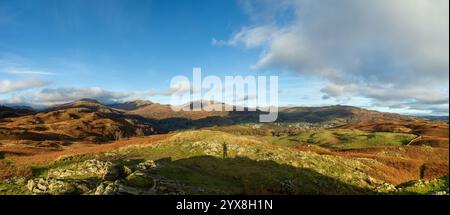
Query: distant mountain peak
pixel 131 105
pixel 89 100
pixel 140 102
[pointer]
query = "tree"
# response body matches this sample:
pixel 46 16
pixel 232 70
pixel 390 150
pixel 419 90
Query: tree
pixel 118 134
pixel 140 132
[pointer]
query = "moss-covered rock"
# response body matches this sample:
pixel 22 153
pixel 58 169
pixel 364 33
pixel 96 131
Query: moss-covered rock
pixel 127 170
pixel 139 179
pixel 113 173
pixel 58 186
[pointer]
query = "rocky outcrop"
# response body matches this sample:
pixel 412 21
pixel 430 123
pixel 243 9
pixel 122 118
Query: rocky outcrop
pixel 113 173
pixel 59 187
pixel 111 179
pixel 140 179
pixel 146 165
pixel 89 167
pixel 386 188
pixel 118 187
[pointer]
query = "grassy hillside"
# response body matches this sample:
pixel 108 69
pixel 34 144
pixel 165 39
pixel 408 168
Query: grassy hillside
pixel 328 150
pixel 196 159
pixel 342 139
pixel 77 121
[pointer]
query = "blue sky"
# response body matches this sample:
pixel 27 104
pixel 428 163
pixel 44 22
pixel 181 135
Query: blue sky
pixel 121 44
pixel 122 47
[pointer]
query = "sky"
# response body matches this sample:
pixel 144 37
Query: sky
pixel 387 55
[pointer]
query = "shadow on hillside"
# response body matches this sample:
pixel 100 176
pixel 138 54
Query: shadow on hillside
pixel 180 123
pixel 239 117
pixel 242 175
pixel 11 134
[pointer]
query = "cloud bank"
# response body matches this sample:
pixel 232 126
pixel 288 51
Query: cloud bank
pixel 392 52
pixel 49 96
pixel 24 71
pixel 7 86
pixel 59 95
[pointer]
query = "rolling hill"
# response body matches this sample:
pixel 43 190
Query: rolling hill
pixel 84 120
pixel 13 112
pixel 148 148
pixel 171 120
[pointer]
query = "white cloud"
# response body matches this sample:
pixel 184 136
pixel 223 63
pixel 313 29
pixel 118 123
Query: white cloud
pixel 24 71
pixel 384 50
pixel 249 37
pixel 179 89
pixel 49 96
pixel 391 97
pixel 60 95
pixel 7 86
pixel 17 65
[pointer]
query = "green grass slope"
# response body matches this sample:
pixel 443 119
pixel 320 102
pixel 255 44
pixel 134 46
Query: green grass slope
pixel 196 158
pixel 342 139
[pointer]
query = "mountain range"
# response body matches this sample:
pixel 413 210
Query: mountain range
pixel 90 120
pixel 308 150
